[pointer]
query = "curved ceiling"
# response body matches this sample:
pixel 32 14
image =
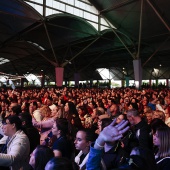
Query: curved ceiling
pixel 33 43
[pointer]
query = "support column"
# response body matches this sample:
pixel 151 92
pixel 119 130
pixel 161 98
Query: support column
pixel 66 83
pixel 156 82
pixel 91 83
pixel 76 79
pixel 167 82
pixel 127 81
pixel 137 73
pixel 22 82
pixel 109 84
pixel 123 82
pixel 42 79
pixel 150 82
pixel 59 76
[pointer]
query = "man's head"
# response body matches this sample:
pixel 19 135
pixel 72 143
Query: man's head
pixel 110 102
pixel 114 109
pixel 133 116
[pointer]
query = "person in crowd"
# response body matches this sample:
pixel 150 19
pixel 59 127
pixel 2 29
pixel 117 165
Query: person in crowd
pixel 114 110
pixel 40 156
pixel 56 110
pixel 46 125
pixel 159 114
pixel 17 145
pixel 71 114
pixel 126 104
pixel 103 121
pixel 149 116
pixel 30 130
pixel 167 116
pixel 95 117
pixel 140 128
pixel 110 134
pixel 16 110
pixel 110 102
pixel 137 159
pixel 120 118
pixel 161 139
pixel 34 111
pixel 82 142
pixel 62 146
pixel 82 111
pixel 155 124
pixel 25 107
pixel 59 163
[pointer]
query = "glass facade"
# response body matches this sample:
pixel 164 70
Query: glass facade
pixel 81 8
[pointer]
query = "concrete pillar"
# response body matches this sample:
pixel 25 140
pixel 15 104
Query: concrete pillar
pixel 91 83
pixel 127 81
pixel 109 83
pixel 59 71
pixel 123 82
pixel 137 73
pixel 156 82
pixel 76 79
pixel 42 78
pixel 167 82
pixel 150 82
pixel 22 82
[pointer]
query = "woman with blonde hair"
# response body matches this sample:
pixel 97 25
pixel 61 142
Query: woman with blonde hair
pixel 45 112
pixel 159 114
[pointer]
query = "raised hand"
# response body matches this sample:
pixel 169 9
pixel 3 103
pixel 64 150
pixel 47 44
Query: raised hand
pixel 111 133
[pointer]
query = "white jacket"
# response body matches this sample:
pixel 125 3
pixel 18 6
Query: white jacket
pixel 18 149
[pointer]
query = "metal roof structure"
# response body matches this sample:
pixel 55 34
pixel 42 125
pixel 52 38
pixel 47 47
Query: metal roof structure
pixel 33 43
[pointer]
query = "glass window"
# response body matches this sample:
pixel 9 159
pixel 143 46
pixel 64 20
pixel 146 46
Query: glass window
pixel 69 9
pixel 49 3
pixel 49 11
pixel 39 1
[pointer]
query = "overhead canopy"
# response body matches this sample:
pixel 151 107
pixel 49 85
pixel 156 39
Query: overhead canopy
pixel 33 43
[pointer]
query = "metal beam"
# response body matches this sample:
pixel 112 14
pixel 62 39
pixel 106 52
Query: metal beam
pixel 39 52
pixel 155 52
pixel 49 39
pixel 67 28
pixel 92 61
pixel 140 30
pixel 65 63
pixel 120 39
pixel 117 6
pixel 159 15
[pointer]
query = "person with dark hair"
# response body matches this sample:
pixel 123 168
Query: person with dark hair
pixel 110 134
pixel 62 145
pixel 58 163
pixel 161 139
pixel 16 110
pixel 120 118
pixel 133 106
pixel 18 146
pixel 34 111
pixel 40 156
pixel 155 124
pixel 30 130
pixel 140 128
pixel 72 116
pixel 110 103
pixel 82 142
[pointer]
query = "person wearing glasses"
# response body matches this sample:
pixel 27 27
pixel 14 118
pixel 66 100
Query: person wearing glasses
pixel 16 154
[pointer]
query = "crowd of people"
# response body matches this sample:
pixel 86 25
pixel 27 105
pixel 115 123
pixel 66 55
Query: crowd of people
pixel 84 128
